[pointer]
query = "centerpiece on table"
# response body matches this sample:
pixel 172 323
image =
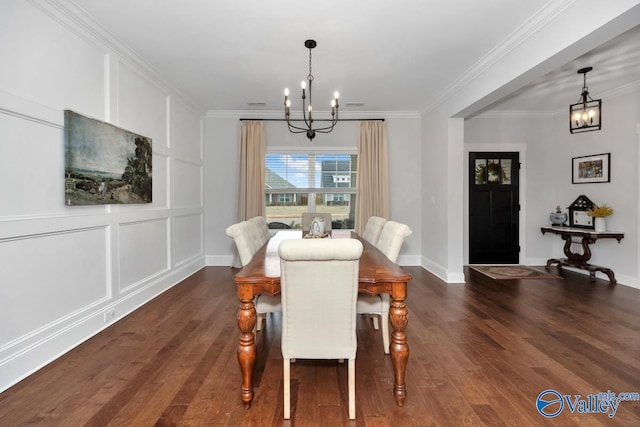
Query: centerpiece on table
pixel 599 213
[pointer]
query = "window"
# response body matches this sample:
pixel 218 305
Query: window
pixel 310 182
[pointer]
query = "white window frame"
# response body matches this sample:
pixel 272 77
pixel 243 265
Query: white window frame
pixel 313 192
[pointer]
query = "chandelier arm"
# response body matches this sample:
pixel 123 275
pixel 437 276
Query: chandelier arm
pixel 308 122
pixel 323 130
pixel 333 122
pixel 329 128
pixel 326 129
pixel 297 131
pixel 300 130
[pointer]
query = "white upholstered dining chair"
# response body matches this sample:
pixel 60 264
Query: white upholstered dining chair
pixel 391 239
pixel 248 239
pixel 249 236
pixel 373 228
pixel 314 275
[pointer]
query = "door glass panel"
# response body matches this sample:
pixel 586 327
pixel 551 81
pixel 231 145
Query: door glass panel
pixel 481 171
pixel 505 165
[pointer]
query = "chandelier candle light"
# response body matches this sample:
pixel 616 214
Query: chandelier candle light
pixel 586 114
pixel 307 111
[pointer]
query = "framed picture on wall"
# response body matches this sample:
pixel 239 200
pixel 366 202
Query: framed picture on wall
pixel 590 169
pixel 105 164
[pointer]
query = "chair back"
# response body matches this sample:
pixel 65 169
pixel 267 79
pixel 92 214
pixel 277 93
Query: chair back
pixel 260 225
pixel 248 238
pixel 373 228
pixel 307 219
pixel 391 239
pixel 319 290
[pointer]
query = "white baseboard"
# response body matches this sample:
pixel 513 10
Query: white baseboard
pixel 441 272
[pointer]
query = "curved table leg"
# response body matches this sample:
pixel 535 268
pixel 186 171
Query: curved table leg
pixel 609 273
pixel 246 318
pixel 398 315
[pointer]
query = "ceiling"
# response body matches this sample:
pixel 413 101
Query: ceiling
pixel 229 55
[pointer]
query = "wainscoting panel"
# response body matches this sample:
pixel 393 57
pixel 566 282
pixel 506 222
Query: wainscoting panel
pixel 188 238
pixel 160 180
pixel 187 179
pixel 186 132
pixel 144 252
pixel 142 106
pixel 50 279
pixel 40 189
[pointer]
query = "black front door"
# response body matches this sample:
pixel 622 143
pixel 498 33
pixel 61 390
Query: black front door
pixel 493 208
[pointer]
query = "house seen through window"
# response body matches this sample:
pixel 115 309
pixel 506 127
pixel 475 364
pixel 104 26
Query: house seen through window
pixel 321 182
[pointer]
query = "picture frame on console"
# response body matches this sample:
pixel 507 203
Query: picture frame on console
pixel 578 217
pixel 591 169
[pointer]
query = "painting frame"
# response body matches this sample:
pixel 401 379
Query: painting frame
pixel 105 164
pixel 595 168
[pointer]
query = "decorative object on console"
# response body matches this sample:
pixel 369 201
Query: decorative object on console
pixel 558 217
pixel 578 213
pixel 586 114
pixel 591 169
pixel 599 213
pixel 307 111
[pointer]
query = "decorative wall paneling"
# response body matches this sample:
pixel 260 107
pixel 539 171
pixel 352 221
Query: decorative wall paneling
pixel 188 244
pixel 69 272
pixel 144 251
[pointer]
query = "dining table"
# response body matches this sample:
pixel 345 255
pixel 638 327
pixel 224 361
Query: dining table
pixel 377 275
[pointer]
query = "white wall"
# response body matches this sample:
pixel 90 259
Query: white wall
pixel 67 272
pixel 222 136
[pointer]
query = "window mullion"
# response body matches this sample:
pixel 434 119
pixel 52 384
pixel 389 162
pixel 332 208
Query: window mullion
pixel 312 201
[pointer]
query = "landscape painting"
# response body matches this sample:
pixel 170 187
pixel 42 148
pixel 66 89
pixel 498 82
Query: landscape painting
pixel 105 164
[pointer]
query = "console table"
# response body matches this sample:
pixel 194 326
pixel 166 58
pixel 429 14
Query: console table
pixel 578 260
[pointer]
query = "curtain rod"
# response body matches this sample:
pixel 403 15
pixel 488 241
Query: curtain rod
pixel 315 120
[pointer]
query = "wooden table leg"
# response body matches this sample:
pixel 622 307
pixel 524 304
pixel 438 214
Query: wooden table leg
pixel 246 318
pixel 398 315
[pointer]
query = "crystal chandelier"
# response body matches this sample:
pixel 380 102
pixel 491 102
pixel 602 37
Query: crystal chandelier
pixel 307 110
pixel 586 114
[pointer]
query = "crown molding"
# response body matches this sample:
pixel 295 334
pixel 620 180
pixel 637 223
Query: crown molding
pixel 271 114
pixel 511 42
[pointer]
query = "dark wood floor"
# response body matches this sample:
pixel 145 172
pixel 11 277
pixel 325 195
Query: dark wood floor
pixel 481 353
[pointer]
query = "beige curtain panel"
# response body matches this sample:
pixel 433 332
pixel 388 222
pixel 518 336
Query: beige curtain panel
pixel 373 173
pixel 251 201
